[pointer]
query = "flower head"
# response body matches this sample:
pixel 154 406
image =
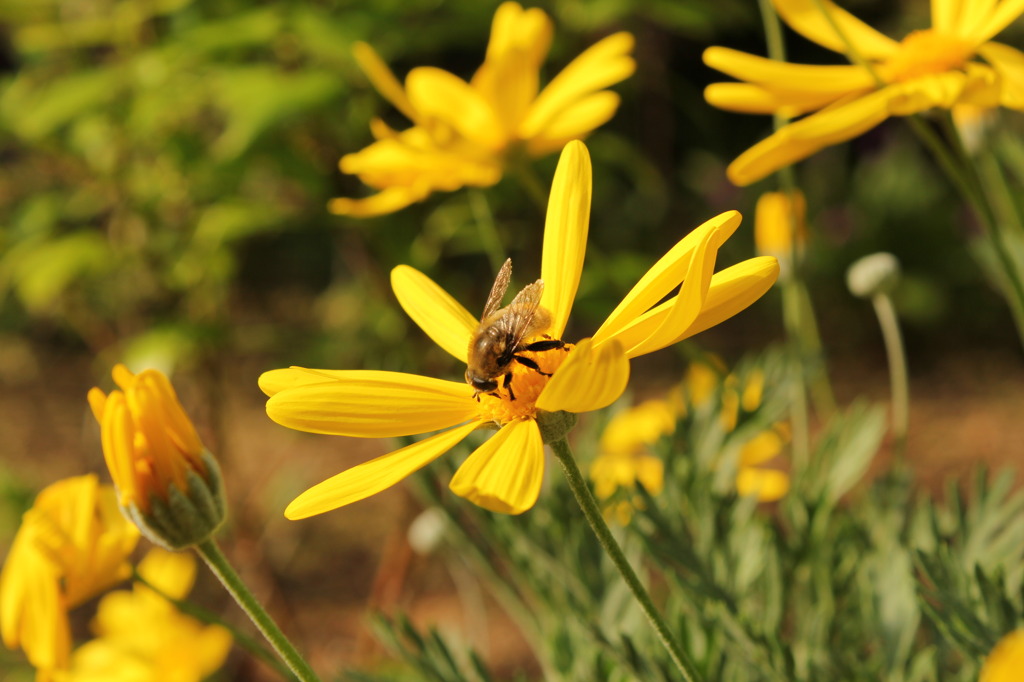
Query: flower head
pixel 167 482
pixel 780 224
pixel 504 474
pixel 72 544
pixel 625 456
pixel 932 68
pixel 140 635
pixel 465 133
pixel 768 485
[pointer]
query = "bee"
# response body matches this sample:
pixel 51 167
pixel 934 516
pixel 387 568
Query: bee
pixel 498 340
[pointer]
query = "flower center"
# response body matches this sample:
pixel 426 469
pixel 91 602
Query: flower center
pixel 926 52
pixel 526 384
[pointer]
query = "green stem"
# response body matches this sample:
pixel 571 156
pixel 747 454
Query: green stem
pixel 533 186
pixel 220 566
pixel 961 173
pixel 243 640
pixel 592 512
pixel 799 413
pixel 900 384
pixel 487 228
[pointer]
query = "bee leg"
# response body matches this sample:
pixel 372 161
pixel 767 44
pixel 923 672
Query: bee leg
pixel 508 386
pixel 548 344
pixel 527 362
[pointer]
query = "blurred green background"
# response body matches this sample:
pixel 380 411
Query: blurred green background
pixel 165 167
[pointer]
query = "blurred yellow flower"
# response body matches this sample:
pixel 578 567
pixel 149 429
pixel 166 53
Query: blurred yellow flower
pixel 142 637
pixel 624 457
pixel 1005 662
pixel 72 544
pixel 768 485
pixel 780 224
pixel 166 480
pixel 504 474
pixel 464 134
pixel 931 68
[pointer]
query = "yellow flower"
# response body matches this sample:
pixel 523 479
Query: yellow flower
pixel 72 544
pixel 780 221
pixel 625 455
pixel 166 480
pixel 141 637
pixel 931 68
pixel 1006 661
pixel 768 485
pixel 504 474
pixel 464 134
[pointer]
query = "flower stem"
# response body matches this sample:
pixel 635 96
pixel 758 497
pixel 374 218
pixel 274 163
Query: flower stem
pixel 220 566
pixel 899 383
pixel 592 512
pixel 486 228
pixel 243 640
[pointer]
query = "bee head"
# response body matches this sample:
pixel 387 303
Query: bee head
pixel 482 384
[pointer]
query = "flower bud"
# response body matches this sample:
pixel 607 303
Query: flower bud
pixel 780 221
pixel 167 482
pixel 877 273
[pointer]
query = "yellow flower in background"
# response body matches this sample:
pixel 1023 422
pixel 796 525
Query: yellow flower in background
pixel 465 133
pixel 936 67
pixel 142 637
pixel 768 485
pixel 625 457
pixel 1006 660
pixel 72 544
pixel 504 474
pixel 166 480
pixel 780 223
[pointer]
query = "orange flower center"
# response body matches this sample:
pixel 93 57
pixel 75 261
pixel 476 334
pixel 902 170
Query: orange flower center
pixel 923 53
pixel 503 406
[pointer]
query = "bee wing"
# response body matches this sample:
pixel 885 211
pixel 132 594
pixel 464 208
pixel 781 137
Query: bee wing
pixel 520 313
pixel 498 289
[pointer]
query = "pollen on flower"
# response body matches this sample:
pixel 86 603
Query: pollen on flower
pixel 926 52
pixel 527 384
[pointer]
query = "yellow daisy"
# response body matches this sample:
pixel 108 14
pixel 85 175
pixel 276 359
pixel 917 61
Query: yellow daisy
pixel 140 636
pixel 938 67
pixel 767 485
pixel 464 133
pixel 504 474
pixel 72 544
pixel 625 455
pixel 166 480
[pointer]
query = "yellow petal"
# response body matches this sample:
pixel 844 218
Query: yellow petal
pixel 372 477
pixel 382 79
pixel 768 485
pixel 1000 16
pixel 797 141
pixel 731 291
pixel 590 378
pixel 575 122
pixel 277 380
pixel 443 96
pixel 686 306
pixel 373 404
pixel 761 448
pixel 1009 64
pixel 603 64
pixel 808 18
pixel 510 75
pixel 505 473
pixel 439 315
pixel 666 274
pixel 173 573
pixel 946 15
pixel 565 233
pixel 1006 660
pixel 748 98
pixel 387 201
pixel 786 77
